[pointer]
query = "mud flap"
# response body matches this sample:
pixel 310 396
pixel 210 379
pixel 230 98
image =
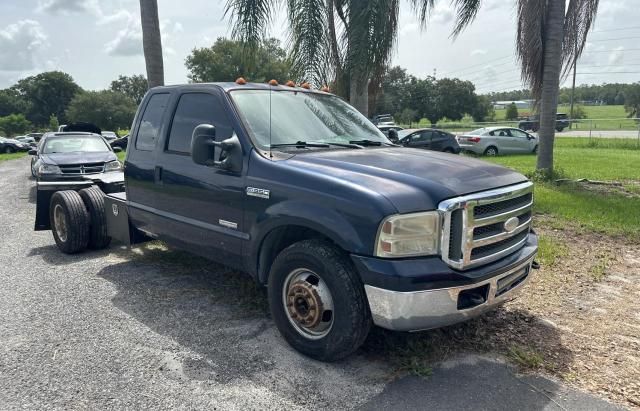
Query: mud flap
pixel 43 199
pixel 118 226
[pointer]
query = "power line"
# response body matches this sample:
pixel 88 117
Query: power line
pixel 619 29
pixel 611 72
pixel 614 39
pixel 476 65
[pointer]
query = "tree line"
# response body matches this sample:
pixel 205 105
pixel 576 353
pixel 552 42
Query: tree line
pixel 44 101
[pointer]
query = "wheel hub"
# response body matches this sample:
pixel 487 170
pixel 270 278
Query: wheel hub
pixel 304 304
pixel 60 222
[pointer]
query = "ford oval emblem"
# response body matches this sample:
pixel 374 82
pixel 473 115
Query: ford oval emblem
pixel 511 224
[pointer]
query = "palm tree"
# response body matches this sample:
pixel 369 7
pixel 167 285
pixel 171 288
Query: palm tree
pixel 152 42
pixel 551 37
pixel 345 43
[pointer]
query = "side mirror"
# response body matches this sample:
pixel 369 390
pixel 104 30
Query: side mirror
pixel 33 152
pixel 203 149
pixel 117 149
pixel 393 135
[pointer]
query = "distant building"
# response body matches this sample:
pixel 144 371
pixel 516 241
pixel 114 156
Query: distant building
pixel 526 104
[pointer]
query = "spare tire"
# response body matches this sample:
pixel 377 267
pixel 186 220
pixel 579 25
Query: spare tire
pixel 69 221
pixel 93 199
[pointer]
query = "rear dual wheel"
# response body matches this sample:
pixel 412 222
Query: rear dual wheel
pixel 78 220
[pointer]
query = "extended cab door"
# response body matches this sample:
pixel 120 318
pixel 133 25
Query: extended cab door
pixel 140 164
pixel 202 206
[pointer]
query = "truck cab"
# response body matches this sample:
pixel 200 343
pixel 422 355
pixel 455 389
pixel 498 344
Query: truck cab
pixel 297 188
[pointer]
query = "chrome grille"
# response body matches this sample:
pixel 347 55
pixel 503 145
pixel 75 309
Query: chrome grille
pixel 474 230
pixel 89 168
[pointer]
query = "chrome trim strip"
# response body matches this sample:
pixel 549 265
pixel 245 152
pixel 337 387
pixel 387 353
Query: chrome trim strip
pixel 467 205
pixel 479 222
pixel 499 254
pixel 423 310
pixel 502 236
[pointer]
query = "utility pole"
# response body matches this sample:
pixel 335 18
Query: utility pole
pixel 573 87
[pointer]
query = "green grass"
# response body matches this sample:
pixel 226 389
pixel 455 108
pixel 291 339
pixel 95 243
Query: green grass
pixel 550 250
pixel 4 157
pixel 595 159
pixel 604 117
pixel 525 357
pixel 121 155
pixel 606 212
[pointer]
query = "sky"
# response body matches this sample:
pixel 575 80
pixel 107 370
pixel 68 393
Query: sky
pixel 95 41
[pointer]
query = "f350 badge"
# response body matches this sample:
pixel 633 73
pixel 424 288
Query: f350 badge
pixel 258 192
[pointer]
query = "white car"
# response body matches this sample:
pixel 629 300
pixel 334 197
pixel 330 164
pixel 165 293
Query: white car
pixel 491 141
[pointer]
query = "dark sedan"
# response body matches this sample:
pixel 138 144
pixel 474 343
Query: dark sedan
pixel 63 156
pixel 8 146
pixel 429 139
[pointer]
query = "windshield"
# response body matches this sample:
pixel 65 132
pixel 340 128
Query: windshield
pixel 87 144
pixel 299 116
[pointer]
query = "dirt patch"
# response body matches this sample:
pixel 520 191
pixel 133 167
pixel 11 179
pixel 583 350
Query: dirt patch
pixel 577 319
pixel 629 189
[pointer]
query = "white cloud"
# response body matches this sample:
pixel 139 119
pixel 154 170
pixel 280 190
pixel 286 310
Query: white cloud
pixel 69 6
pixel 128 41
pixel 478 52
pixel 410 28
pixel 616 56
pixel 442 13
pixel 19 45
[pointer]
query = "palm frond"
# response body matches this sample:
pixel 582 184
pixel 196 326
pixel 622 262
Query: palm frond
pixel 371 35
pixel 579 19
pixel 466 12
pixel 530 42
pixel 308 20
pixel 250 19
pixel 423 8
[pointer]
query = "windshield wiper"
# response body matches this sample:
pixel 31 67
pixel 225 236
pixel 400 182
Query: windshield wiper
pixel 348 145
pixel 366 142
pixel 299 144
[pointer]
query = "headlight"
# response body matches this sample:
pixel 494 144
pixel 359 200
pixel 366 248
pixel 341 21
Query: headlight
pixel 113 166
pixel 409 235
pixel 48 169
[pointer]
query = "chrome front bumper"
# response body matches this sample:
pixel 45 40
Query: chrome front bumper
pixel 423 310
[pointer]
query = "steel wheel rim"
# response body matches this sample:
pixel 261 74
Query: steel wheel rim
pixel 60 222
pixel 491 152
pixel 308 303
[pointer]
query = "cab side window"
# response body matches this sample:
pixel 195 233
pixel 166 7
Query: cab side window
pixel 151 122
pixel 194 109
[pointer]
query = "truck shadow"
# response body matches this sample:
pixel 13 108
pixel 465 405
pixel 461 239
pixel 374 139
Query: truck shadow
pixel 51 255
pixel 221 318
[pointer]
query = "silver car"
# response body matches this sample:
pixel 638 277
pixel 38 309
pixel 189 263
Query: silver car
pixel 491 141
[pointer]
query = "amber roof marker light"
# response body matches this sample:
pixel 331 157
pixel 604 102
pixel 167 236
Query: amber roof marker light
pixel 241 81
pixel 326 89
pixel 305 85
pixel 291 83
pixel 273 82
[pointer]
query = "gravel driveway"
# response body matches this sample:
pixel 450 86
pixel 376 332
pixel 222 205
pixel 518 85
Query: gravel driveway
pixel 157 329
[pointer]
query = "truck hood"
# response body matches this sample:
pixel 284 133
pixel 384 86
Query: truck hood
pixel 411 179
pixel 78 158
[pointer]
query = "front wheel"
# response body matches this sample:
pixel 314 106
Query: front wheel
pixel 559 129
pixel 317 300
pixel 9 150
pixel 535 150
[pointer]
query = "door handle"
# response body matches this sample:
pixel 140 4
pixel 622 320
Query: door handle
pixel 158 175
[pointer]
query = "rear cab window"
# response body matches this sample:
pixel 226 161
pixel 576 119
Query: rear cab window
pixel 151 122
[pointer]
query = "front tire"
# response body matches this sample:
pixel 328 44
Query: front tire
pixel 93 199
pixel 9 150
pixel 491 151
pixel 535 149
pixel 69 221
pixel 317 300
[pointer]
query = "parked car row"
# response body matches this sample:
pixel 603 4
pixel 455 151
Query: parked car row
pixel 10 145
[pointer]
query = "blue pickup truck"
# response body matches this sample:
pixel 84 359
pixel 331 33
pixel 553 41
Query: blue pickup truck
pixel 294 186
